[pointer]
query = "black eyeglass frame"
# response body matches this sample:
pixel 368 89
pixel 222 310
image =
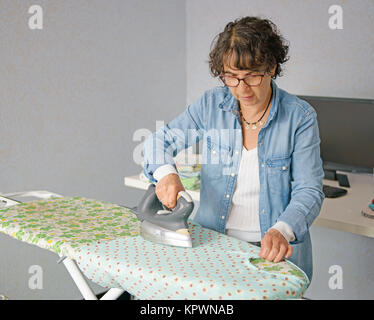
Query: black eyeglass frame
pixel 222 77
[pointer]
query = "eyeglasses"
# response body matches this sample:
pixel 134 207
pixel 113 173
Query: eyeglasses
pixel 252 80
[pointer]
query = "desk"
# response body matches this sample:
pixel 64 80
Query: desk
pixel 343 214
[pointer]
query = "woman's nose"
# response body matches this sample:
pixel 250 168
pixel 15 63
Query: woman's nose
pixel 244 87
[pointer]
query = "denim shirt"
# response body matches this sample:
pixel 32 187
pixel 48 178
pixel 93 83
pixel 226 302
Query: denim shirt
pixel 290 166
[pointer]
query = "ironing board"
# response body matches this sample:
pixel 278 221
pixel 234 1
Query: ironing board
pixel 101 240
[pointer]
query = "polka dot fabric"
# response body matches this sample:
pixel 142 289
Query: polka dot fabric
pixel 217 267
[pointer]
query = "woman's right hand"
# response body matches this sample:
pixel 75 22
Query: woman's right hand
pixel 167 190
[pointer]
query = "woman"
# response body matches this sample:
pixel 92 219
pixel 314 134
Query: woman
pixel 261 178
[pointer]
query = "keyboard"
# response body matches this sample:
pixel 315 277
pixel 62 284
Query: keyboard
pixel 333 192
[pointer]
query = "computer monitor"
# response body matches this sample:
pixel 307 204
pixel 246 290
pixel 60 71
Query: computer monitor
pixel 346 129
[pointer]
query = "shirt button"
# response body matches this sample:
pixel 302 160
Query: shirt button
pixel 284 168
pixel 233 174
pixel 214 151
pixel 236 152
pixel 262 165
pixel 263 211
pixel 227 196
pixel 223 217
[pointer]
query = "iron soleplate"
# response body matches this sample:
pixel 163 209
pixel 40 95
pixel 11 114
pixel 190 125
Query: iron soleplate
pixel 157 234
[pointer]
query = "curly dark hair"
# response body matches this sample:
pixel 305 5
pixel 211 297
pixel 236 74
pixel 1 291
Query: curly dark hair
pixel 249 43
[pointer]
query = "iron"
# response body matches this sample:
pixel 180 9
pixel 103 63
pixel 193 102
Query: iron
pixel 161 224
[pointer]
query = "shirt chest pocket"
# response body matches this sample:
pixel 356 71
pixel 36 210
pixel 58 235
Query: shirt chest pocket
pixel 217 157
pixel 279 175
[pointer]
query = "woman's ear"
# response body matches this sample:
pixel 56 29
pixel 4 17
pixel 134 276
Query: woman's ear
pixel 272 72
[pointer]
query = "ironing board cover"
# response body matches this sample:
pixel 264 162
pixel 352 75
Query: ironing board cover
pixel 103 239
pixel 65 223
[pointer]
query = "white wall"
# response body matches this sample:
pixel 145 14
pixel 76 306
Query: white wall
pixel 71 97
pixel 323 62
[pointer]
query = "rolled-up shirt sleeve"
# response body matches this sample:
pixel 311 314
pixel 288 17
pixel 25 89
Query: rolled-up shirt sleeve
pixel 163 171
pixel 285 230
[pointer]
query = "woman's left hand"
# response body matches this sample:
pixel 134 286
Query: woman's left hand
pixel 274 246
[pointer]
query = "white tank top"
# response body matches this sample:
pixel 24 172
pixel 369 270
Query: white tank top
pixel 244 221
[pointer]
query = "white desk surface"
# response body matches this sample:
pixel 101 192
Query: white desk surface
pixel 342 213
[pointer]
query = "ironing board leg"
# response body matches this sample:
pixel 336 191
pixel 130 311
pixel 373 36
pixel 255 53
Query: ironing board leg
pixel 84 288
pixel 79 280
pixel 112 294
